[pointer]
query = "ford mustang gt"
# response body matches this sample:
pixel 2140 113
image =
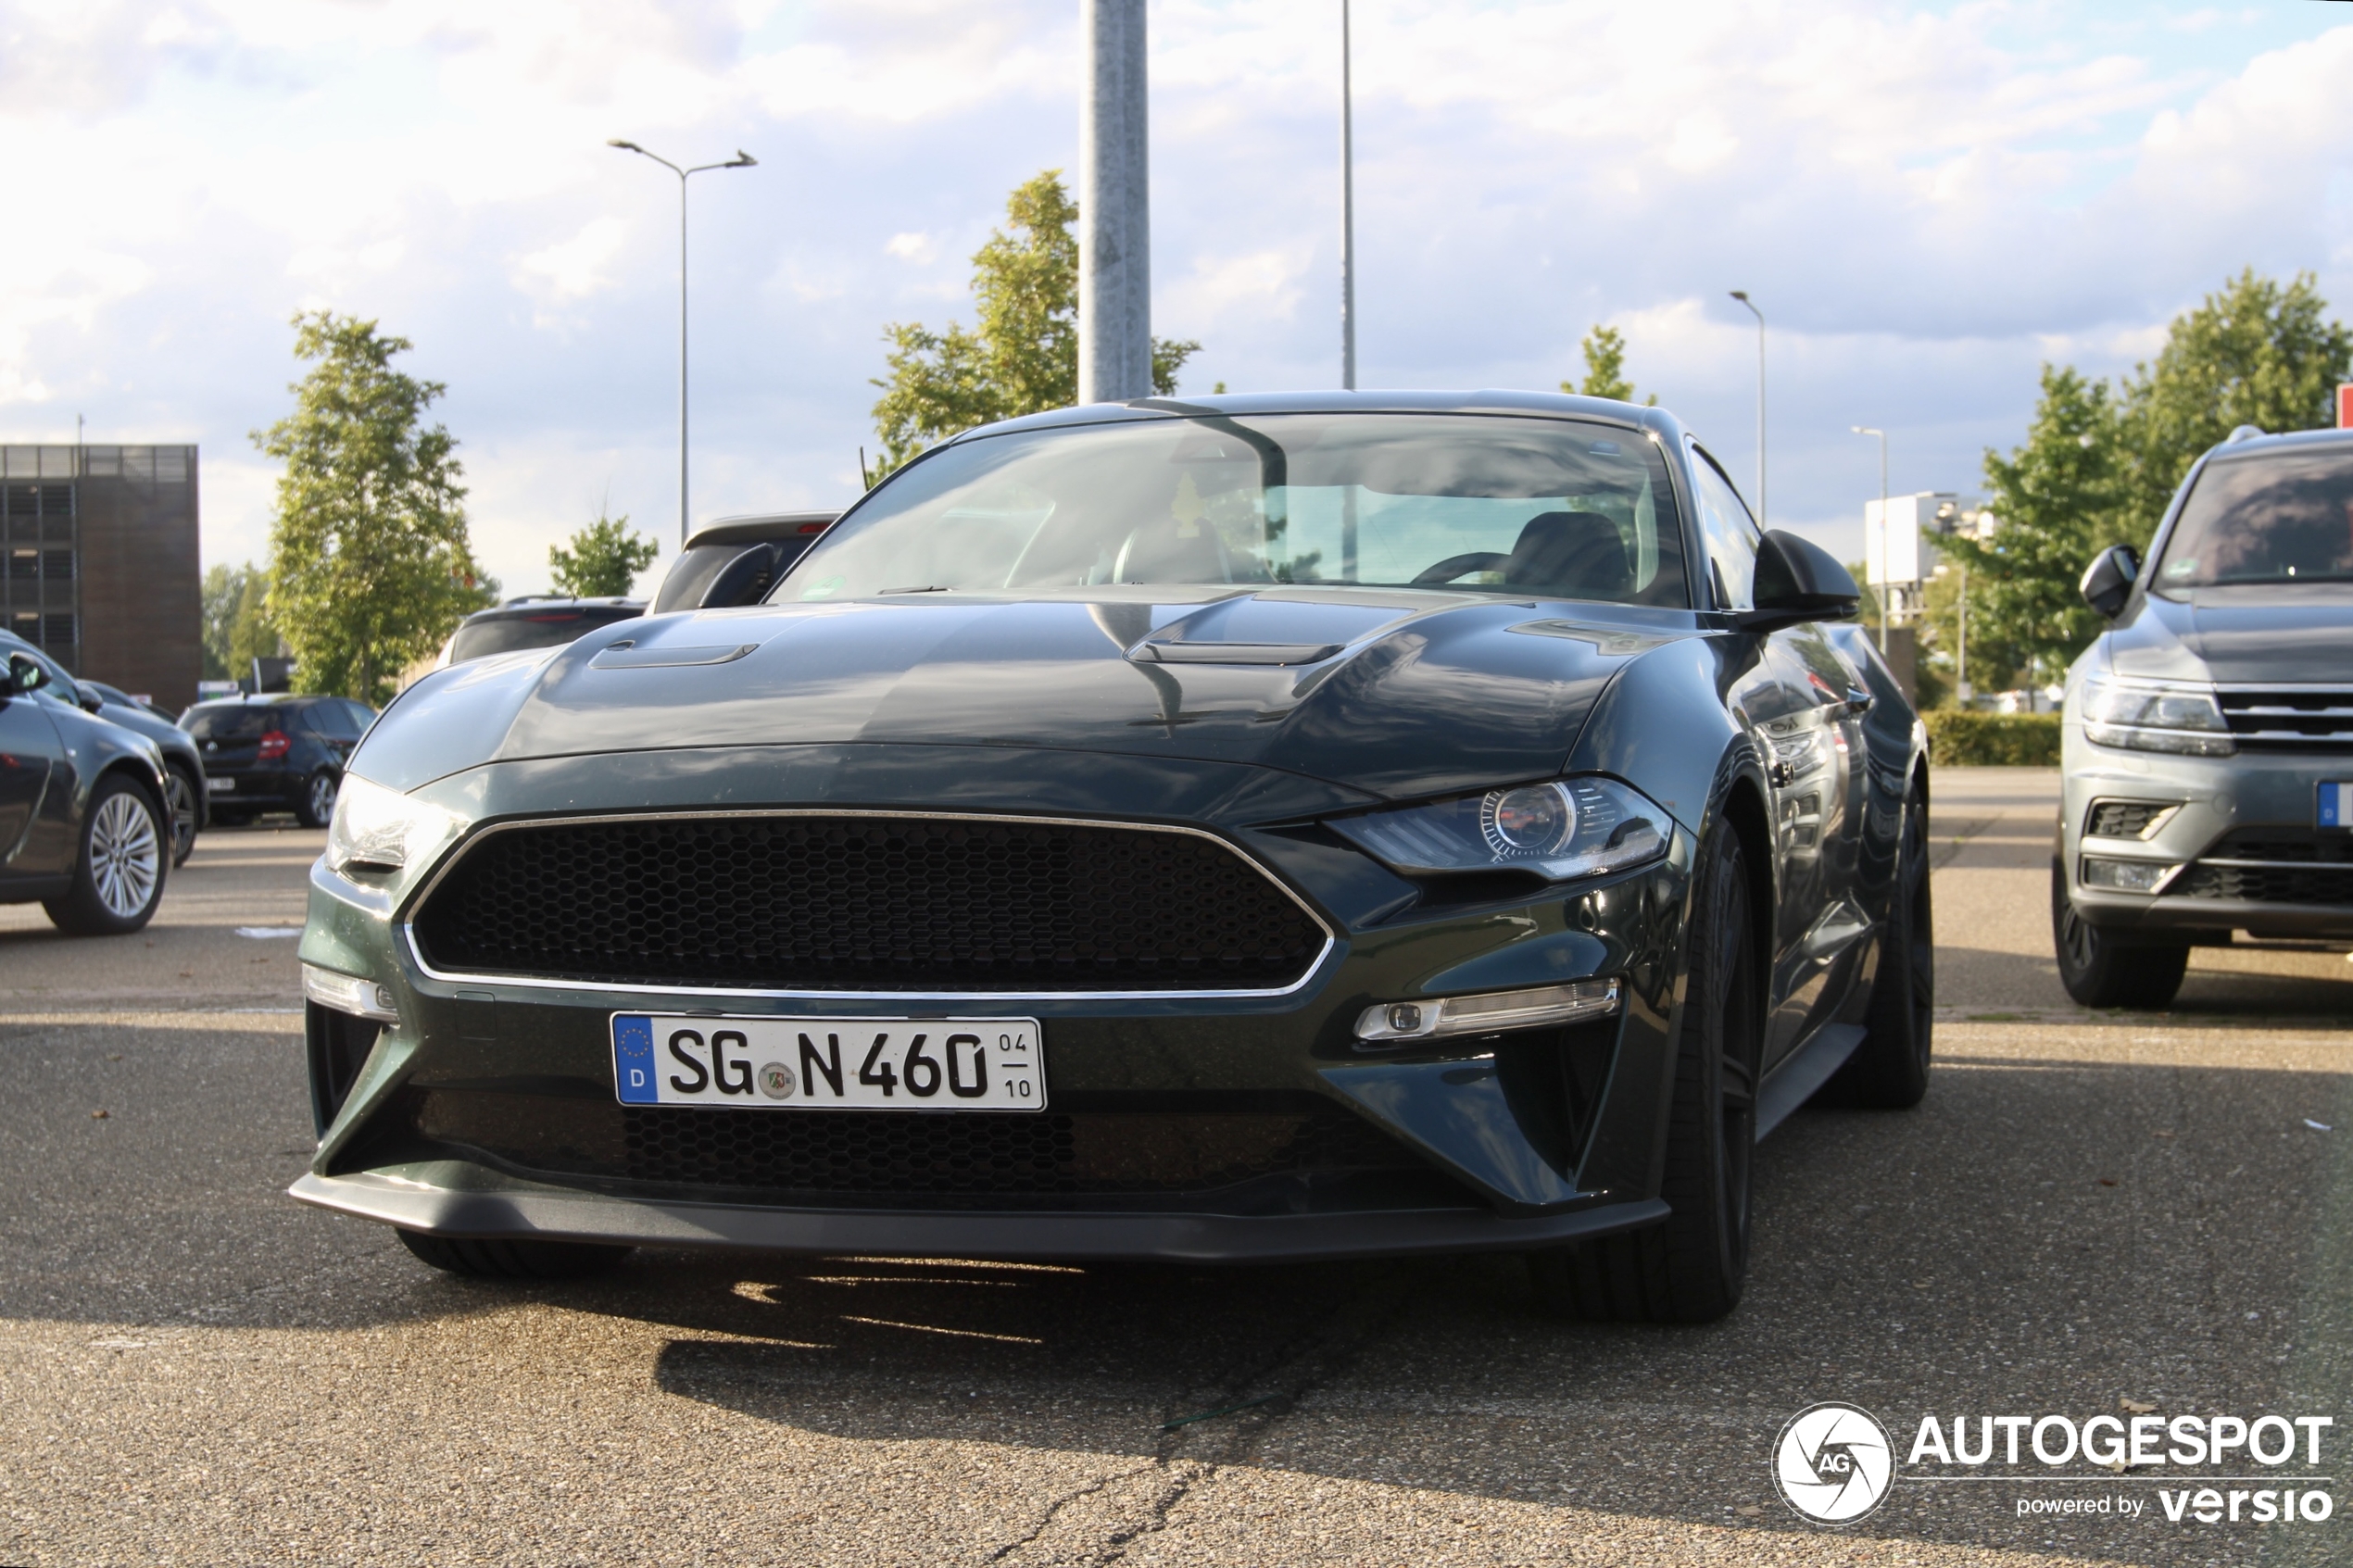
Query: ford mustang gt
pixel 1274 827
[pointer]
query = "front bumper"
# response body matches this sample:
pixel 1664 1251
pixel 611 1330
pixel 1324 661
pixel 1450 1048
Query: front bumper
pixel 2216 800
pixel 488 1108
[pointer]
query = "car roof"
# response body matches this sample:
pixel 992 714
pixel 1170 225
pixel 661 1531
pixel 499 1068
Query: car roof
pixel 752 527
pixel 539 604
pixel 2266 441
pixel 1556 404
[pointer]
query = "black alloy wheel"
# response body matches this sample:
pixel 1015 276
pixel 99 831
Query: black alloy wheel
pixel 2100 972
pixel 1889 1070
pixel 512 1259
pixel 316 809
pixel 1690 1268
pixel 184 801
pixel 117 878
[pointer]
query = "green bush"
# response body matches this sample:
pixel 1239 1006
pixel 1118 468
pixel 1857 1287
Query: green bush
pixel 1960 739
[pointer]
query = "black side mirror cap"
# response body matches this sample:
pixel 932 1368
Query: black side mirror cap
pixel 25 675
pixel 2108 581
pixel 1797 580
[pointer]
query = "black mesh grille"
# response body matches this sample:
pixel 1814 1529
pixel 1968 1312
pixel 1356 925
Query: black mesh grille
pixel 895 1154
pixel 867 904
pixel 2123 819
pixel 2289 719
pixel 2268 884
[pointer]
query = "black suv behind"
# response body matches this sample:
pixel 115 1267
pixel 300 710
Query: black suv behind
pixel 276 754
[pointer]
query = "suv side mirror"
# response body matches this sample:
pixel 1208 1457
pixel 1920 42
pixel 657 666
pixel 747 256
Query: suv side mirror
pixel 1797 580
pixel 2108 581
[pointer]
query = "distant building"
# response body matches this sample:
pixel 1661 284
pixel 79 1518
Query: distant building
pixel 1899 551
pixel 101 563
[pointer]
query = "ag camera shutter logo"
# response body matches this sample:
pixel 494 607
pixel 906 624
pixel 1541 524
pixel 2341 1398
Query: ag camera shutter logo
pixel 1833 1463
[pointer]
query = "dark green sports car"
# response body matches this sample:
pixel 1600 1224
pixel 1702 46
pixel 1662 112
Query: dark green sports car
pixel 1313 826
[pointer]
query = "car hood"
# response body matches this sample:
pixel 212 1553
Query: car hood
pixel 1400 693
pixel 2252 635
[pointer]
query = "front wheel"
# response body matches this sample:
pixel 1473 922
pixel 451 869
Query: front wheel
pixel 117 878
pixel 1692 1267
pixel 316 807
pixel 182 799
pixel 512 1259
pixel 2101 973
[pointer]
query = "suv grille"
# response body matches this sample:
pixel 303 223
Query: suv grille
pixel 2127 819
pixel 904 1155
pixel 935 905
pixel 2288 718
pixel 2272 866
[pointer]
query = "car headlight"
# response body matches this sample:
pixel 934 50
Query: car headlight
pixel 1560 829
pixel 2154 716
pixel 377 829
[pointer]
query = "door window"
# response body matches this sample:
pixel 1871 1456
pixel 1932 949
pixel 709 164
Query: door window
pixel 1729 532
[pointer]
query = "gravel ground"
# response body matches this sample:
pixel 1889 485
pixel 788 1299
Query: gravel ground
pixel 2088 1208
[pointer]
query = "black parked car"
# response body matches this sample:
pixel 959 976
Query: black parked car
pixel 276 754
pixel 183 769
pixel 1238 828
pixel 81 808
pixel 736 559
pixel 533 621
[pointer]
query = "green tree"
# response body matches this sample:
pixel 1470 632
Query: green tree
pixel 237 628
pixel 369 563
pixel 604 559
pixel 1605 349
pixel 2256 352
pixel 1022 354
pixel 2058 500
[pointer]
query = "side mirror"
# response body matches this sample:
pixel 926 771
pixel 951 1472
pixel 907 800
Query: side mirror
pixel 1797 580
pixel 25 675
pixel 2108 581
pixel 90 701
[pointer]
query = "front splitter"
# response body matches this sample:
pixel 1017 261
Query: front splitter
pixel 553 1215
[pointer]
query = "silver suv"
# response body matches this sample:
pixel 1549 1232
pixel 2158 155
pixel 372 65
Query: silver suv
pixel 2208 732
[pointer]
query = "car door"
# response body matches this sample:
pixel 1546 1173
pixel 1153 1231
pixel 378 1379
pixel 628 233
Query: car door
pixel 1800 742
pixel 32 754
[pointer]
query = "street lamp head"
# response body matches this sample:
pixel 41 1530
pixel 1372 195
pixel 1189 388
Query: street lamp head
pixel 625 147
pixel 1740 294
pixel 742 160
pixel 1866 430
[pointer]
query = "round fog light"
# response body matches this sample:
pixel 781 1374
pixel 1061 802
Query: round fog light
pixel 1404 1017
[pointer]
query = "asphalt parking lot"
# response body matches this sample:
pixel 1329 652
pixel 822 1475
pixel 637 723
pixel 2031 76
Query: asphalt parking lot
pixel 2088 1208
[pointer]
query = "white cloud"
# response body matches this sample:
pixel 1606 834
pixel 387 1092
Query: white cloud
pixel 573 268
pixel 916 247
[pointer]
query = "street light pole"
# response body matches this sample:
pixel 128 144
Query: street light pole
pixel 741 160
pixel 1741 295
pixel 1114 206
pixel 1885 570
pixel 1347 214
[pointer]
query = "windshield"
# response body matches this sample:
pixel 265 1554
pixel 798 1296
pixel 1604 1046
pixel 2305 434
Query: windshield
pixel 2271 517
pixel 540 629
pixel 1557 508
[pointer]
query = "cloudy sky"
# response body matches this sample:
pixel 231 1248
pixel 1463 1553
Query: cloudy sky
pixel 1926 200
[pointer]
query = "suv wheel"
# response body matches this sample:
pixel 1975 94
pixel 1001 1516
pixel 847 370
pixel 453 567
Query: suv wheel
pixel 117 878
pixel 317 807
pixel 2099 972
pixel 184 801
pixel 1692 1267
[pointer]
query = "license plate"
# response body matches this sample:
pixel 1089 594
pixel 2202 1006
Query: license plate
pixel 829 1063
pixel 220 787
pixel 2336 806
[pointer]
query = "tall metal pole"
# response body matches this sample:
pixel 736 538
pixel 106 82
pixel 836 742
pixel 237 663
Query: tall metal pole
pixel 1886 569
pixel 1114 207
pixel 741 160
pixel 1741 295
pixel 1347 212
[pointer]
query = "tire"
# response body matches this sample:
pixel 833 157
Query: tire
pixel 2099 972
pixel 512 1259
pixel 1889 1070
pixel 315 808
pixel 118 876
pixel 1691 1268
pixel 184 801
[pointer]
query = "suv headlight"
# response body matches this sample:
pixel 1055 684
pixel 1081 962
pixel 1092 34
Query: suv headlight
pixel 377 829
pixel 2154 716
pixel 1560 829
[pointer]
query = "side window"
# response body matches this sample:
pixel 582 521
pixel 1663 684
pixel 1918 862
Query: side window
pixel 1731 537
pixel 332 719
pixel 361 716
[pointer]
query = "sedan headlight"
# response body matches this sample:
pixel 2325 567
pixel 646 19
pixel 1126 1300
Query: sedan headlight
pixel 377 829
pixel 2154 716
pixel 1560 829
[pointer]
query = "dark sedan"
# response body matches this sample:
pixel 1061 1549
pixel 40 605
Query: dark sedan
pixel 1265 827
pixel 82 822
pixel 183 767
pixel 276 754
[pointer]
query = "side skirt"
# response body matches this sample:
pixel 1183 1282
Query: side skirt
pixel 1802 1071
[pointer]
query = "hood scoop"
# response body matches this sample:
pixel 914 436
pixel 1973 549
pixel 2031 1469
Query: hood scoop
pixel 1156 651
pixel 629 656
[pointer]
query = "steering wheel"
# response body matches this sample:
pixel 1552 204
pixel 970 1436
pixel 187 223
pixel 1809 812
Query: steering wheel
pixel 1458 566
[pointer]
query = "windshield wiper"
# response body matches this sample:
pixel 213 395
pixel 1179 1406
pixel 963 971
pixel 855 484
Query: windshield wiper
pixel 934 588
